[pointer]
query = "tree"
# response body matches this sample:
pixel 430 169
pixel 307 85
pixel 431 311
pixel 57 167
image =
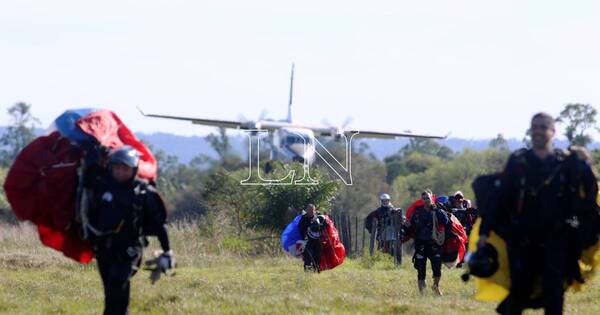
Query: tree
pixel 414 162
pixel 579 118
pixel 181 185
pixel 426 146
pixel 282 202
pixel 18 134
pixel 6 215
pixel 228 159
pixel 499 143
pixel 268 207
pixel 446 178
pixel 416 156
pixel 368 175
pixel 369 182
pixel 232 203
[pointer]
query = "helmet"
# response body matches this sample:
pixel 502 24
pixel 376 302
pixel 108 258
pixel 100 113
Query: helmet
pixel 484 262
pixel 442 199
pixel 384 197
pixel 126 155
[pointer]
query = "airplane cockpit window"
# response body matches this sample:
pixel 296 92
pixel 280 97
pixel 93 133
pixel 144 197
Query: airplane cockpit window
pixel 296 139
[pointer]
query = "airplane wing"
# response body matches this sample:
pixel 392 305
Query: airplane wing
pixel 375 134
pixel 383 134
pixel 271 125
pixel 203 121
pixel 262 124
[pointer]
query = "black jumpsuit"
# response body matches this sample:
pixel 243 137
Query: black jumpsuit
pixel 537 199
pixel 311 229
pixel 425 247
pixel 120 216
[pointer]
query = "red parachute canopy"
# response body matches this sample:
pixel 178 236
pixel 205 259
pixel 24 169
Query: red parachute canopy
pixel 333 252
pixel 41 185
pixel 109 130
pixel 457 244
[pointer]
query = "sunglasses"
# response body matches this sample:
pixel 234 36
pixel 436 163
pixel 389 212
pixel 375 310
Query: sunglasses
pixel 540 126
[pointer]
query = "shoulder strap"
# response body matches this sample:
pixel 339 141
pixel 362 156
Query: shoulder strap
pixel 140 192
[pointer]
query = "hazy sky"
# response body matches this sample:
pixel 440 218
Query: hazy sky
pixel 473 68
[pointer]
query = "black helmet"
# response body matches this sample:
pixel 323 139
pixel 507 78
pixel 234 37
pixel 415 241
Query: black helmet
pixel 126 155
pixel 484 262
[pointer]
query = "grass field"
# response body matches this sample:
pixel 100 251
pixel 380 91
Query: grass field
pixel 219 279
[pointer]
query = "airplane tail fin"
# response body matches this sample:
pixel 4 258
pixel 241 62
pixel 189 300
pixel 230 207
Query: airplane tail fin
pixel 289 115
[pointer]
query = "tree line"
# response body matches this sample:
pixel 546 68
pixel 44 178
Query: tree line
pixel 207 190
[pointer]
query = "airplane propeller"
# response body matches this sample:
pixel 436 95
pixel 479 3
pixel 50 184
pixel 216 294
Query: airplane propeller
pixel 338 131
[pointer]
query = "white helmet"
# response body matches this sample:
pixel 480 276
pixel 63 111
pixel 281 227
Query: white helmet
pixel 384 197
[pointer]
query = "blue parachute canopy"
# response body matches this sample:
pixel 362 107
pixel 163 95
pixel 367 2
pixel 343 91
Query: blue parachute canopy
pixel 442 199
pixel 66 124
pixel 291 234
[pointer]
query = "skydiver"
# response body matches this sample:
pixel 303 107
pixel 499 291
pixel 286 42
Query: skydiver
pixel 463 210
pixel 428 241
pixel 385 231
pixel 123 211
pixel 546 212
pixel 312 225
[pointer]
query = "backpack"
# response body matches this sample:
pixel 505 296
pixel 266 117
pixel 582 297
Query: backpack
pixel 438 232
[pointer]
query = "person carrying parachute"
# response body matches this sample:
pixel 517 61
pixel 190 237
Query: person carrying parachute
pixel 87 185
pixel 383 215
pixel 314 237
pixel 424 224
pixel 312 227
pixel 455 241
pixel 463 210
pixel 538 233
pixel 123 211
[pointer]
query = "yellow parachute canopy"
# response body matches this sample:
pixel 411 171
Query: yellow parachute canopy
pixel 496 287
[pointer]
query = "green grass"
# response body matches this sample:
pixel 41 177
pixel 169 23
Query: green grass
pixel 34 280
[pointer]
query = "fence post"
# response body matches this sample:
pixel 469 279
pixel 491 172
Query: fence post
pixel 396 219
pixel 349 228
pixel 372 237
pixel 362 249
pixel 356 236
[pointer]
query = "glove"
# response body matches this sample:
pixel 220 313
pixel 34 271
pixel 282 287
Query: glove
pixel 165 263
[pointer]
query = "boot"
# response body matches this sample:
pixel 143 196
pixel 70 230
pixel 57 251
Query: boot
pixel 422 286
pixel 436 287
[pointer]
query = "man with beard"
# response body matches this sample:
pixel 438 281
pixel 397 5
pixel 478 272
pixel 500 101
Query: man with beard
pixel 425 223
pixel 546 196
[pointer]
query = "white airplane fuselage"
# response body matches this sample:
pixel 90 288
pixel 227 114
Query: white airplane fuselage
pixel 293 144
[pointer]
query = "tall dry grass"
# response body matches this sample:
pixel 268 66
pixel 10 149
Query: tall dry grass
pixel 189 241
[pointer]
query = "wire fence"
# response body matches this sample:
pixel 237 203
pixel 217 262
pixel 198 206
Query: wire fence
pixel 386 235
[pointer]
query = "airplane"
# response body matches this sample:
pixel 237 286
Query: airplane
pixel 291 141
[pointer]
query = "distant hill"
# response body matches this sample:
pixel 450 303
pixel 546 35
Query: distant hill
pixel 186 148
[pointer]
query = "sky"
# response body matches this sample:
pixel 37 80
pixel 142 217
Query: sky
pixel 470 68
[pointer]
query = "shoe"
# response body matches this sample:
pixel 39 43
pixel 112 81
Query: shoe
pixel 436 287
pixel 422 286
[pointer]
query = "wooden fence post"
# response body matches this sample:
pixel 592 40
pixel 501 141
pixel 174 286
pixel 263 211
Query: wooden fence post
pixel 362 248
pixel 356 235
pixel 372 237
